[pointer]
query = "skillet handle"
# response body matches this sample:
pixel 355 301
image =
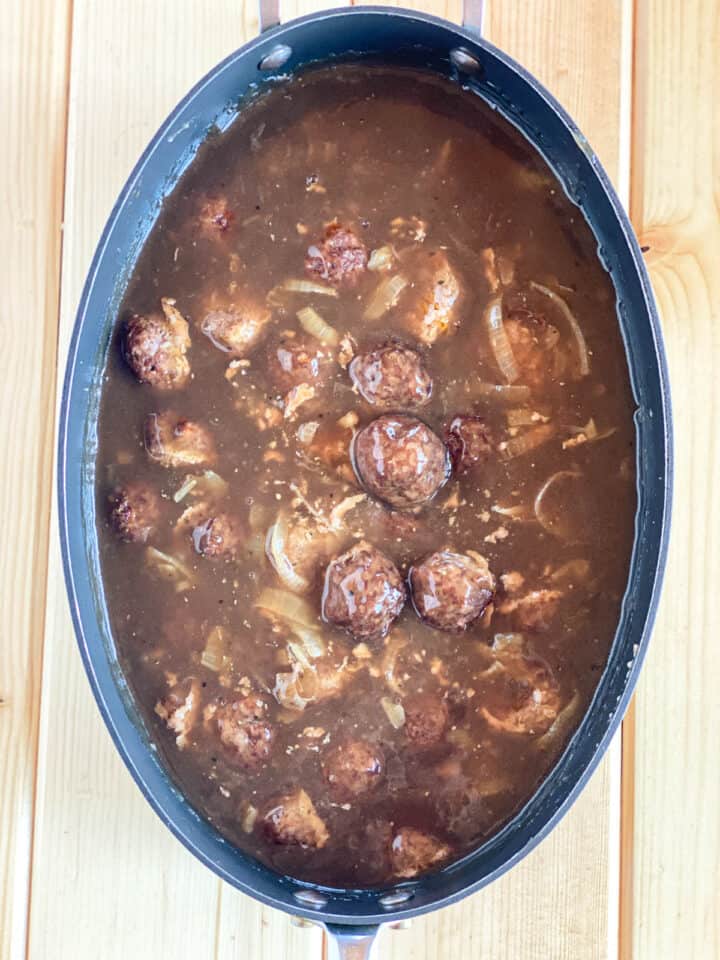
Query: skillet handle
pixel 350 943
pixel 472 19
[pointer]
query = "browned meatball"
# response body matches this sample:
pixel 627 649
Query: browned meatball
pixel 176 442
pixel 340 259
pixel 364 593
pixel 400 460
pixel 450 590
pixel 180 709
pixel 155 347
pixel 296 360
pixel 469 442
pixel 218 537
pixel 536 347
pixel 413 851
pixel 426 717
pixel 393 376
pixel 352 768
pixel 134 511
pixel 245 731
pixel 292 820
pixel 236 327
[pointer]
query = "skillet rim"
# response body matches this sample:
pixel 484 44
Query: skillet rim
pixel 75 566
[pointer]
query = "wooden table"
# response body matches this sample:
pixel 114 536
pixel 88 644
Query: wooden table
pixel 86 869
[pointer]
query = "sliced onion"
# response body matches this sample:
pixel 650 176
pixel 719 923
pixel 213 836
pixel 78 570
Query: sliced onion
pixel 502 392
pixel 574 571
pixel 561 725
pixel 556 504
pixel 214 655
pixel 505 644
pixel 185 489
pixel 312 323
pixel 570 319
pixel 499 340
pixel 304 286
pixel 288 607
pixel 385 296
pixel 395 712
pixel 287 693
pixel 381 258
pixel 169 568
pixel 525 442
pixel 275 548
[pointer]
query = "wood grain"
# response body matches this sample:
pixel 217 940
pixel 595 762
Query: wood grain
pixel 33 83
pixel 676 211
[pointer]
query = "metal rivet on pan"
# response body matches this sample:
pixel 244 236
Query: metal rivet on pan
pixel 390 900
pixel 278 57
pixel 464 61
pixel 311 898
pixel 302 922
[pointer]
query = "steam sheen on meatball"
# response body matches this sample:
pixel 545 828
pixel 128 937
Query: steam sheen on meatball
pixel 177 442
pixel 292 820
pixel 364 593
pixel 393 376
pixel 340 258
pixel 450 590
pixel 244 730
pixel 155 347
pixel 352 768
pixel 134 511
pixel 400 460
pixel 218 537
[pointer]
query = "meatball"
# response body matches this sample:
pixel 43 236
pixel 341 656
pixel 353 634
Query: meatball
pixel 353 768
pixel 218 537
pixel 296 360
pixel 293 821
pixel 426 717
pixel 176 442
pixel 180 709
pixel 412 852
pixel 155 347
pixel 536 347
pixel 535 611
pixel 450 590
pixel 400 460
pixel 525 699
pixel 134 511
pixel 238 326
pixel 393 376
pixel 469 442
pixel 430 309
pixel 364 593
pixel 340 258
pixel 244 730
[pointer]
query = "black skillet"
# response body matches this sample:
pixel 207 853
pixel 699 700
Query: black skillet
pixel 414 39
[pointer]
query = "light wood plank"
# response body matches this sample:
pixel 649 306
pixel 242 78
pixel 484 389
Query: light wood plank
pixel 676 210
pixel 562 901
pixel 33 86
pixel 108 879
